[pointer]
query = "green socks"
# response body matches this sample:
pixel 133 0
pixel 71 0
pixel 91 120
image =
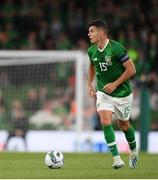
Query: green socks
pixel 130 137
pixel 110 139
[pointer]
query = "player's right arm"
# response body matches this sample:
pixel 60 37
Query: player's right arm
pixel 91 76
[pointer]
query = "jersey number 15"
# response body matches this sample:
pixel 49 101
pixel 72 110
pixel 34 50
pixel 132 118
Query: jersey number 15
pixel 103 66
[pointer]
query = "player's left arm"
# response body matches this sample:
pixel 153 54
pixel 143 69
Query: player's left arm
pixel 129 72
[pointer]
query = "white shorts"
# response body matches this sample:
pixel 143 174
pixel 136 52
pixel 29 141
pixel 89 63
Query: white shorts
pixel 121 107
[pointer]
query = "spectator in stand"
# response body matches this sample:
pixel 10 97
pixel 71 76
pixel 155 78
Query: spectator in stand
pixel 32 101
pixel 18 123
pixel 43 95
pixel 63 42
pixel 3 123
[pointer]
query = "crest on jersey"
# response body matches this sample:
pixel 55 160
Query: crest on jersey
pixel 108 60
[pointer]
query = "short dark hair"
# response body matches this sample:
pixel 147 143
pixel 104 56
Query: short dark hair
pixel 100 23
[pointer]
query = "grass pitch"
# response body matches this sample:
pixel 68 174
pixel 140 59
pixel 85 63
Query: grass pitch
pixel 76 166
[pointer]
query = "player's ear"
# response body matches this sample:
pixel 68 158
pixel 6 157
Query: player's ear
pixel 100 32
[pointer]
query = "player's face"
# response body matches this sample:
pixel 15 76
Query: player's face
pixel 93 34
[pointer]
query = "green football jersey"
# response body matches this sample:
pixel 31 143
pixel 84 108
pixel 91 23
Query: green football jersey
pixel 108 65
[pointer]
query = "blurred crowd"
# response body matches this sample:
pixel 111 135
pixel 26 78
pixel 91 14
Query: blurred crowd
pixel 63 25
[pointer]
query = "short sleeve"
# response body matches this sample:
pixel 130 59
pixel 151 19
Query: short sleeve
pixel 121 53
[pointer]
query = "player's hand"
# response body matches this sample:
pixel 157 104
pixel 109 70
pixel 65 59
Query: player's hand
pixel 92 92
pixel 110 87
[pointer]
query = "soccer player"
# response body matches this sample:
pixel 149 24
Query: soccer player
pixel 111 66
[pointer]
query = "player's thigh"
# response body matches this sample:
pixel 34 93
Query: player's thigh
pixel 104 107
pixel 105 117
pixel 104 102
pixel 122 107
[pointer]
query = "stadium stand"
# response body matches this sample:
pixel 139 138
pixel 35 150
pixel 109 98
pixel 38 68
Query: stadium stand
pixel 62 25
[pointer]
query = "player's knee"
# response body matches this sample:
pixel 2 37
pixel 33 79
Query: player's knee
pixel 124 127
pixel 105 122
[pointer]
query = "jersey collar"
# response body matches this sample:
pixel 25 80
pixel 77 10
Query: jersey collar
pixel 101 50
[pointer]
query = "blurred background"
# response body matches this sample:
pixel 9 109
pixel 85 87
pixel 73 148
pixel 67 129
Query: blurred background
pixel 38 104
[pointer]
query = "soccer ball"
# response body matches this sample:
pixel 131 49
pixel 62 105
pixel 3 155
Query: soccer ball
pixel 54 159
